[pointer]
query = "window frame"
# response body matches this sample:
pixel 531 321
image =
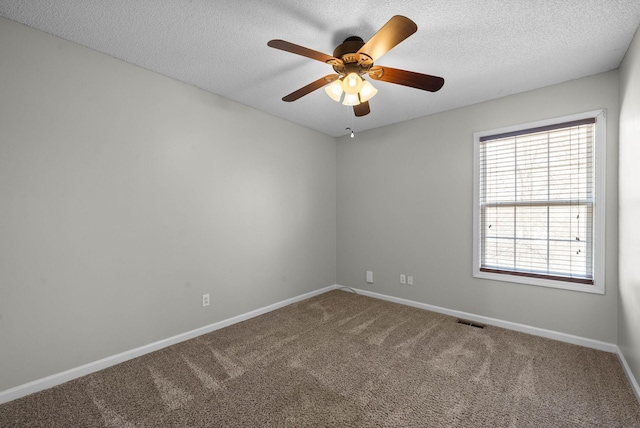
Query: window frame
pixel 599 205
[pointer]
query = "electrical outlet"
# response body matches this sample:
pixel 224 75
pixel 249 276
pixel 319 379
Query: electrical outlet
pixel 205 300
pixel 369 277
pixel 409 280
pixel 403 278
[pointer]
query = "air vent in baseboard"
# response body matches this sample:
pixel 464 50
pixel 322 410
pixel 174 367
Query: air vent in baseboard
pixel 471 323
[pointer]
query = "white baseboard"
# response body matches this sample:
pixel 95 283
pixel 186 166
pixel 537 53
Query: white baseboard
pixel 550 334
pixel 627 371
pixel 60 378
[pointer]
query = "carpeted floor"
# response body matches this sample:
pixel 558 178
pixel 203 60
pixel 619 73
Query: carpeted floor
pixel 346 360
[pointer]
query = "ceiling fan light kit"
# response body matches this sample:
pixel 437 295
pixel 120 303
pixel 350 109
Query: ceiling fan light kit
pixel 334 90
pixel 351 100
pixel 352 83
pixel 356 90
pixel 367 92
pixel 353 59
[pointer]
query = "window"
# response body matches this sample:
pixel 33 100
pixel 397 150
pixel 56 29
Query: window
pixel 539 203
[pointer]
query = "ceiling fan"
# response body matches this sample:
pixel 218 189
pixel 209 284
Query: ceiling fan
pixel 353 59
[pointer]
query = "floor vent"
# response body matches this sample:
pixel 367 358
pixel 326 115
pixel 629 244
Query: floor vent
pixel 471 323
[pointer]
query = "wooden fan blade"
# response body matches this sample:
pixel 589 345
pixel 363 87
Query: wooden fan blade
pixel 407 78
pixel 362 109
pixel 301 50
pixel 310 87
pixel 391 34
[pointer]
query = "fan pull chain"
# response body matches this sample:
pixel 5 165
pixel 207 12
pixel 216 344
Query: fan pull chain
pixel 349 112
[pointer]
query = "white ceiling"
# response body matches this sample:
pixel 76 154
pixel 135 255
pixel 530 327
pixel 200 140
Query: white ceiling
pixel 484 49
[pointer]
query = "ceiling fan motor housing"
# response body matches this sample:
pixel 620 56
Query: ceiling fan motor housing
pixel 352 62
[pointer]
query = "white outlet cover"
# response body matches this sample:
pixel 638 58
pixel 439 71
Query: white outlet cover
pixel 370 276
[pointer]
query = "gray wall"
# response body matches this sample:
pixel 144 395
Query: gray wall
pixel 629 223
pixel 405 205
pixel 126 195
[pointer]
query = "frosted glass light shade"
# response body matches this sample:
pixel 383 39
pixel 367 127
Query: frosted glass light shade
pixel 351 100
pixel 334 90
pixel 367 92
pixel 352 83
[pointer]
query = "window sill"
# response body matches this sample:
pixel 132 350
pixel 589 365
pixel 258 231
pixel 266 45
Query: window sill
pixel 563 285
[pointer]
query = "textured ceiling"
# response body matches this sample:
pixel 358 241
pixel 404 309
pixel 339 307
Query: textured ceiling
pixel 484 49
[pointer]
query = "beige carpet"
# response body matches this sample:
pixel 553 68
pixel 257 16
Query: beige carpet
pixel 346 360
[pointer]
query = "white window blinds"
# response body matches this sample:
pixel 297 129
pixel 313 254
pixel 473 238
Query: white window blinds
pixel 536 202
